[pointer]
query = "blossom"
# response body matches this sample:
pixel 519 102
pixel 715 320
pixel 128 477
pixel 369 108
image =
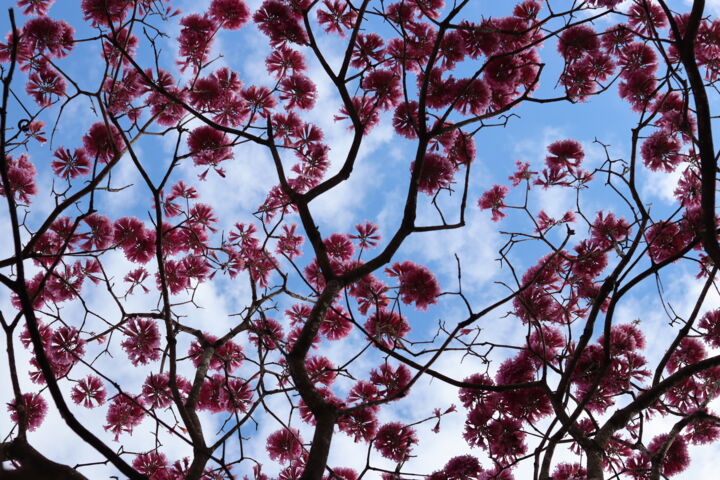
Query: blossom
pixel 298 91
pixel 44 84
pixel 405 119
pixel 124 414
pixel 156 391
pixel 43 33
pixel 437 172
pixel 320 370
pixel 336 325
pixel 607 230
pixel 385 87
pixel 646 17
pixel 70 165
pixel 142 341
pixel 209 146
pixel 464 467
pixel 284 445
pixel 88 390
pixel 152 464
pixel 280 23
pixel 569 471
pixel 105 12
pixel 638 89
pixel 230 14
pixel 387 327
pixel 195 40
pixel 21 174
pixel 676 459
pixel 336 16
pixel 661 151
pixel 493 200
pixel 394 441
pixel 564 154
pixel 393 380
pixel 665 240
pixel 710 325
pixel 368 49
pixel 417 284
pixel 103 141
pixel 66 347
pixel 220 393
pixel 577 41
pixel 35 409
pixel 366 235
pixel 35 7
pixel 473 96
pixel 339 246
pixel 283 61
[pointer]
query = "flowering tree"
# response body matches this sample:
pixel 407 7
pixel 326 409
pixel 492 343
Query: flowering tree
pixel 103 309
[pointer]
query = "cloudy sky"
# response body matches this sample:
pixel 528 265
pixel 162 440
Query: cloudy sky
pixel 375 192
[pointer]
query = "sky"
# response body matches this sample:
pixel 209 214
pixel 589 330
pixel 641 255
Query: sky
pixel 375 192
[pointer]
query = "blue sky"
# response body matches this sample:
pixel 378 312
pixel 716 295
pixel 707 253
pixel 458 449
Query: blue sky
pixel 374 193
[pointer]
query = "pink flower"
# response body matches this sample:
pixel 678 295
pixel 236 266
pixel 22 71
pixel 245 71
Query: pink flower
pixel 646 17
pixel 105 12
pixel 565 154
pixel 35 7
pixel 266 332
pixel 284 445
pixel 156 390
pixel 385 87
pixel 395 441
pixel 437 172
pixel 35 410
pixel 393 380
pixel 665 240
pixel 336 325
pixel 70 165
pixel 387 327
pixel 223 394
pixel 464 467
pixel 339 246
pixel 493 200
pixel 569 471
pixel 101 232
pixel 103 142
pixel 230 14
pixel 336 16
pixel 195 40
pixel 368 49
pixel 417 284
pixel 21 178
pixel 124 414
pixel 473 96
pixel 607 229
pixel 88 390
pixel 710 324
pixel 44 33
pixel 298 91
pixel 66 346
pixel 638 89
pixel 45 85
pixel 320 370
pixel 577 41
pixel 209 146
pixel 280 23
pixel 143 341
pixel 661 151
pixel 367 235
pixel 676 458
pixel 152 464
